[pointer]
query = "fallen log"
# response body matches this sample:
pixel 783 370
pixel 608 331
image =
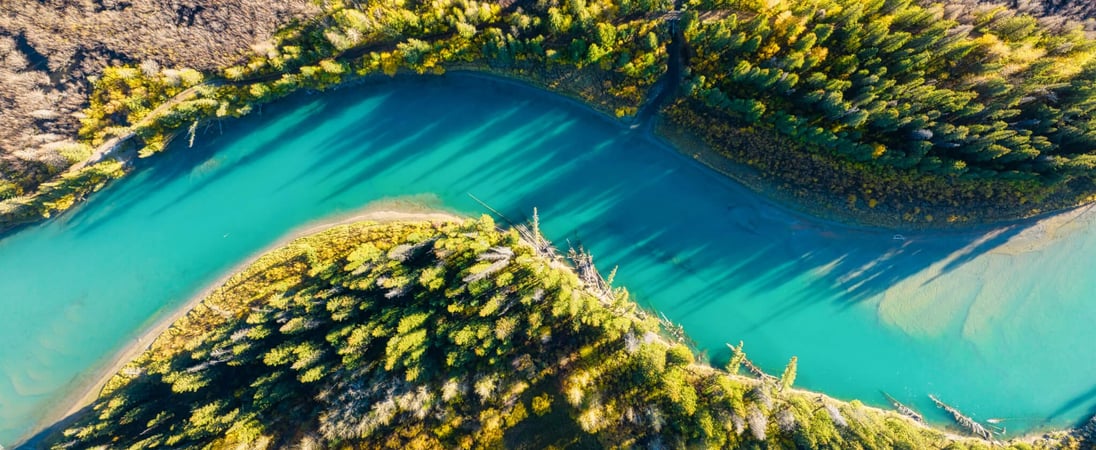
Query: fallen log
pixel 970 424
pixel 904 410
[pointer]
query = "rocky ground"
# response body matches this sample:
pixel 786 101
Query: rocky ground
pixel 50 49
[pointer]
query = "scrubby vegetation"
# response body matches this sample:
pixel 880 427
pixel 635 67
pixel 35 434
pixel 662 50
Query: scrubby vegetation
pixel 36 139
pixel 51 50
pixel 428 335
pixel 909 105
pixel 1076 9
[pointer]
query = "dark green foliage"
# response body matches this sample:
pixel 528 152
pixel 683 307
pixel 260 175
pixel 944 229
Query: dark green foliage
pixel 969 94
pixel 869 192
pixel 420 335
pixel 353 333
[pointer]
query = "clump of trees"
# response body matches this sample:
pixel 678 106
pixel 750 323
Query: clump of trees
pixel 60 194
pixel 980 93
pixel 950 91
pixel 548 41
pixel 427 335
pixel 125 95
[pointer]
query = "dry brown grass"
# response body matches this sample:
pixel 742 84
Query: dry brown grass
pixel 50 48
pixel 1078 9
pixel 1051 12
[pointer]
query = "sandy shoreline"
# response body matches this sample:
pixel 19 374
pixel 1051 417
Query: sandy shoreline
pixel 87 390
pixel 382 211
pixel 1040 232
pixel 690 144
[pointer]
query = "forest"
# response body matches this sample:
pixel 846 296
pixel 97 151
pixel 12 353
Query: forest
pixel 891 112
pixel 953 103
pixel 456 334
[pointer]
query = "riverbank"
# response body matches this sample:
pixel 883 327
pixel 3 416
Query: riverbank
pixel 586 86
pixel 413 210
pixel 840 192
pixel 813 204
pixel 580 90
pixel 819 185
pixel 546 98
pixel 736 402
pixel 668 151
pixel 87 390
pixel 1039 438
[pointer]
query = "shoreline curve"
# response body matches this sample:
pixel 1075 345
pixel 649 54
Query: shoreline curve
pixel 386 212
pixel 87 387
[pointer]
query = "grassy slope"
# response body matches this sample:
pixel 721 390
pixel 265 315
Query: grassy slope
pixel 426 335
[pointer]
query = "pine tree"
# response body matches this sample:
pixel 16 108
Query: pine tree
pixel 788 377
pixel 737 357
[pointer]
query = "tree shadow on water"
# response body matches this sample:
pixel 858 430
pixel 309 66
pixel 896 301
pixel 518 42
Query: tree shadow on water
pixel 1085 399
pixel 200 161
pixel 401 151
pixel 634 202
pixel 712 241
pixel 689 238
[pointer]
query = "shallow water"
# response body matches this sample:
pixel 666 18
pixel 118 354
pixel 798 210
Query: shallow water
pixel 997 328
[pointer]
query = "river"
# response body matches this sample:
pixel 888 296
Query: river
pixel 993 321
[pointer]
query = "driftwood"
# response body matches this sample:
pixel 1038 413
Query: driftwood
pixel 966 422
pixel 530 233
pixel 580 259
pixel 757 372
pixel 588 273
pixel 739 357
pixel 675 330
pixel 903 409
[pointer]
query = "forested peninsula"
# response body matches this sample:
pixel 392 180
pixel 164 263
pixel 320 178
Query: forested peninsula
pixel 447 334
pixel 902 113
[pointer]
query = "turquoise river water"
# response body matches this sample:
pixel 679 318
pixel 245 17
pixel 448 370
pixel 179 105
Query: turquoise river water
pixel 996 322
